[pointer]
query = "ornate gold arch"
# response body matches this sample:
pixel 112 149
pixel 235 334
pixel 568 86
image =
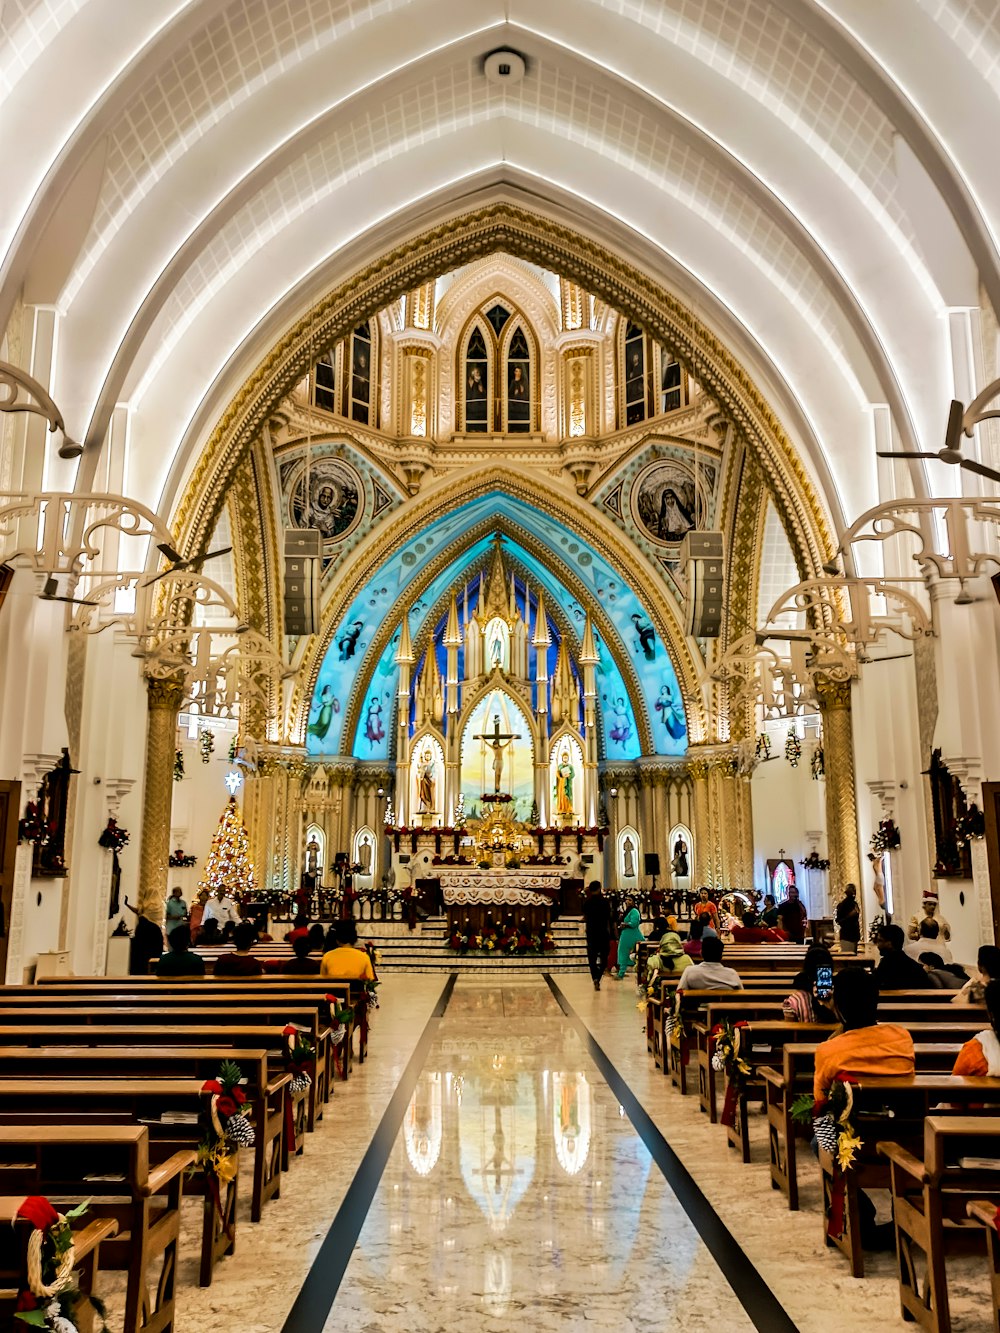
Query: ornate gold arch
pixel 551 245
pixel 536 493
pixel 546 557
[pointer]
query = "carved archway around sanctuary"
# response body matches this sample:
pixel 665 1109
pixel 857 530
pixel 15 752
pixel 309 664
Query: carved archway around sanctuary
pixel 516 231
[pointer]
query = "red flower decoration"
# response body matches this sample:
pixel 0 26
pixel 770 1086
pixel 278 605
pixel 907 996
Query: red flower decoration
pixel 213 1085
pixel 239 1096
pixel 39 1212
pixel 289 1031
pixel 227 1106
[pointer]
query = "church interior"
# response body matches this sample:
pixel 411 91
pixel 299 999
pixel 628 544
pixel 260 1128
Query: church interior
pixel 453 457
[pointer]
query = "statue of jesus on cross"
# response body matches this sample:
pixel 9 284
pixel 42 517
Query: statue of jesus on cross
pixel 498 742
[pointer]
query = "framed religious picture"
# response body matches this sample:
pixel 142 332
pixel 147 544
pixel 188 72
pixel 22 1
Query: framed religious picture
pixel 335 501
pixel 665 501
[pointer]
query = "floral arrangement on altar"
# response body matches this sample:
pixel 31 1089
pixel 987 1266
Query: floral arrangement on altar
pixel 497 798
pixel 875 927
pixel 831 1122
pixel 113 837
pixel 814 862
pixel 32 827
pixel 504 941
pixel 971 825
pixel 51 1298
pixel 179 860
pixel 885 838
pixel 793 748
pixel 726 1058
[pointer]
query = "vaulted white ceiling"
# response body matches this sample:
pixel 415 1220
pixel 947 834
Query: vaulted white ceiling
pixel 817 180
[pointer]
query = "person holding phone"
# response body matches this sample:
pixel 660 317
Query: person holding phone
pixel 811 1000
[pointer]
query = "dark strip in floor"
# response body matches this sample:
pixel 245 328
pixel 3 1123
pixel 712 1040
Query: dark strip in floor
pixel 751 1290
pixel 315 1299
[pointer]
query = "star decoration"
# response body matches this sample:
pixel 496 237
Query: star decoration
pixel 233 780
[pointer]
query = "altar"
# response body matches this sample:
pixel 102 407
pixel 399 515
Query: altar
pixel 473 894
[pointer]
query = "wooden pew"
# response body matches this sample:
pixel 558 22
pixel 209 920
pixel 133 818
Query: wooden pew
pixel 897 1106
pixel 930 1198
pixel 192 1027
pixel 109 1164
pixel 14 1234
pixel 904 1013
pixel 985 1213
pixel 231 989
pixel 154 1037
pixel 935 1052
pixel 127 1065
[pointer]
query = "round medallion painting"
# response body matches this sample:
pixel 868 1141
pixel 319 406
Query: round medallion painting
pixel 665 501
pixel 335 498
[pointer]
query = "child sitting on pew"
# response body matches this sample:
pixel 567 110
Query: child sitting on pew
pixel 241 963
pixel 980 1057
pixel 181 961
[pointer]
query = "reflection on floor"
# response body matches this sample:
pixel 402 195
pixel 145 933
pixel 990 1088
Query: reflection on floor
pixel 516 1188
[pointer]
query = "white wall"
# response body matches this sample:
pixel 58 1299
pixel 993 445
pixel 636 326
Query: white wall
pixel 788 803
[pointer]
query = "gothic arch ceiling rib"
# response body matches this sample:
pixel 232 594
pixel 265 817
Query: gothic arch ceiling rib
pixel 724 67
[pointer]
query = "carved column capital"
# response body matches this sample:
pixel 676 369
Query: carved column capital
pixel 833 695
pixel 166 695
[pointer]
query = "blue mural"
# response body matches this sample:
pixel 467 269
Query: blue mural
pixel 632 625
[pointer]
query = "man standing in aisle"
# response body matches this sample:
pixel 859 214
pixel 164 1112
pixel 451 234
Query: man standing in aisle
pixel 597 916
pixel 849 920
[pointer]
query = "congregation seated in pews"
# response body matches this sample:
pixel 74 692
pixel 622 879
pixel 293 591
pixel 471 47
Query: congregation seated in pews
pixel 135 1092
pixel 894 1078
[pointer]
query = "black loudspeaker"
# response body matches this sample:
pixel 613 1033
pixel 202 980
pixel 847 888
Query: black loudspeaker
pixel 651 861
pixel 303 556
pixel 701 559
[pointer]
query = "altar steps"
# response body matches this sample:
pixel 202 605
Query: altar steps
pixel 426 949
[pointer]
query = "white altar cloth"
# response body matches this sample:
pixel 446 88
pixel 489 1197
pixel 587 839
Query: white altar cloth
pixel 529 887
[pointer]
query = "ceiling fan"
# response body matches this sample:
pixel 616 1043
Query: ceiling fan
pixel 177 561
pixel 50 593
pixel 961 421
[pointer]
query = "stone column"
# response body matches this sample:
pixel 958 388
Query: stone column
pixel 164 700
pixel 841 798
pixel 702 854
pixel 737 825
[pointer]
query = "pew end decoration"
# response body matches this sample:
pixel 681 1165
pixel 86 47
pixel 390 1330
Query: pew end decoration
pixel 229 1124
pixel 726 1059
pixel 835 1134
pixel 300 1057
pixel 52 1296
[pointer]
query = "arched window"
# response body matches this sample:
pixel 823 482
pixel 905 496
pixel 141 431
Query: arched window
pixel 635 375
pixel 360 403
pixel 325 382
pixel 671 383
pixel 477 384
pixel 518 383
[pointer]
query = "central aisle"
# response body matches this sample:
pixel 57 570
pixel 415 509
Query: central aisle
pixel 517 1187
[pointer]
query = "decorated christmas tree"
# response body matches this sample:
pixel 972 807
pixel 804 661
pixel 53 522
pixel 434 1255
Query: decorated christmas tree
pixel 229 865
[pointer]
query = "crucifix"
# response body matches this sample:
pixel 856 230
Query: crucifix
pixel 494 740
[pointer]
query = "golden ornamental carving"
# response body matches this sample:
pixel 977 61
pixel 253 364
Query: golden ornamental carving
pixel 833 694
pixel 164 695
pixel 515 230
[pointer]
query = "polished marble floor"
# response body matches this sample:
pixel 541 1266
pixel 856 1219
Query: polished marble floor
pixel 515 1188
